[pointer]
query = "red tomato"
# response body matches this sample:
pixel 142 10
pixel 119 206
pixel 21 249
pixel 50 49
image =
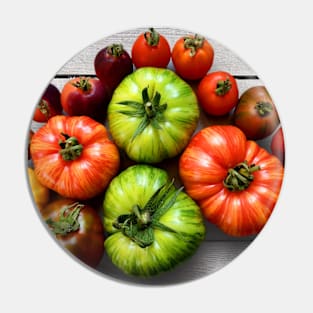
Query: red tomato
pixel 112 64
pixel 78 228
pixel 85 96
pixel 74 156
pixel 151 49
pixel 192 57
pixel 255 113
pixel 235 182
pixel 278 145
pixel 49 105
pixel 218 93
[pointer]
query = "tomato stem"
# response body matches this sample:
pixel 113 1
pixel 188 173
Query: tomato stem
pixel 263 108
pixel 193 43
pixel 222 87
pixel 83 84
pixel 115 49
pixel 43 107
pixel 71 148
pixel 240 177
pixel 66 223
pixel 152 37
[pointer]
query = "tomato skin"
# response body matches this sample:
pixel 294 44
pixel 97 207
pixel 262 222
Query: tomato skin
pixel 49 104
pixel 151 49
pixel 204 167
pixel 165 134
pixel 188 66
pixel 40 193
pixel 278 145
pixel 56 166
pixel 85 96
pixel 136 185
pixel 112 64
pixel 218 93
pixel 250 116
pixel 86 243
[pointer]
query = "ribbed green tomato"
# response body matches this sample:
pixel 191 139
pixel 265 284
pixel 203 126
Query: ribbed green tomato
pixel 152 226
pixel 152 114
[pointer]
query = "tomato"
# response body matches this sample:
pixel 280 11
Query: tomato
pixel 152 226
pixel 218 93
pixel 112 64
pixel 74 156
pixel 49 105
pixel 235 182
pixel 85 96
pixel 77 227
pixel 278 145
pixel 40 193
pixel 255 113
pixel 152 114
pixel 151 49
pixel 192 57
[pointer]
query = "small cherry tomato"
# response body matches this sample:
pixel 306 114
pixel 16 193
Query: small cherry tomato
pixel 278 145
pixel 49 105
pixel 77 227
pixel 151 49
pixel 192 57
pixel 218 93
pixel 112 64
pixel 85 96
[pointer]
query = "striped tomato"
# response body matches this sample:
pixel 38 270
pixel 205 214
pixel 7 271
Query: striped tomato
pixel 74 156
pixel 235 182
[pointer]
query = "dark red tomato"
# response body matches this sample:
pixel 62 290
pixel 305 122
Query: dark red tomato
pixel 77 227
pixel 218 93
pixel 151 49
pixel 255 113
pixel 278 145
pixel 192 57
pixel 85 96
pixel 112 64
pixel 49 105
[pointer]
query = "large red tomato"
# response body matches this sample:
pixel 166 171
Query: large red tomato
pixel 74 156
pixel 235 182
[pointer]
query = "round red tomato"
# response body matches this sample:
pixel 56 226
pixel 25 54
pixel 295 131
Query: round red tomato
pixel 77 227
pixel 74 156
pixel 85 96
pixel 278 145
pixel 151 49
pixel 49 105
pixel 218 93
pixel 235 182
pixel 255 113
pixel 192 57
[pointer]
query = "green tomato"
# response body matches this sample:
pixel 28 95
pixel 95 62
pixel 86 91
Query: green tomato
pixel 152 114
pixel 151 225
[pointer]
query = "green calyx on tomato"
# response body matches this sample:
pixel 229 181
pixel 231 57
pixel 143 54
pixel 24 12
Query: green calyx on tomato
pixel 71 148
pixel 83 84
pixel 67 223
pixel 264 108
pixel 152 37
pixel 115 49
pixel 139 224
pixel 43 107
pixel 193 43
pixel 240 177
pixel 150 110
pixel 223 87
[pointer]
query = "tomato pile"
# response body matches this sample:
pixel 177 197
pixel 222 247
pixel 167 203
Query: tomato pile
pixel 105 139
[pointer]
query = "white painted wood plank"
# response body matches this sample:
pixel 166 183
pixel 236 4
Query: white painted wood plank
pixel 224 58
pixel 209 258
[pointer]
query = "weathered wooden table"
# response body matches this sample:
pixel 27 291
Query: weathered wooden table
pixel 218 249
